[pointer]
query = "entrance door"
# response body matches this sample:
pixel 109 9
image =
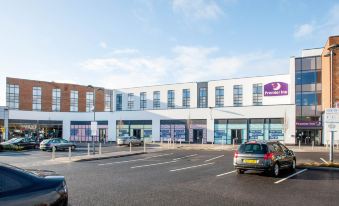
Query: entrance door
pixel 102 135
pixel 236 134
pixel 197 135
pixel 137 133
pixel 306 136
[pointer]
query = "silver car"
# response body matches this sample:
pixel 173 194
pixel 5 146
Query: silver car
pixel 58 143
pixel 126 140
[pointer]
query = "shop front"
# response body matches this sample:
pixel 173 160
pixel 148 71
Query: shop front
pixel 81 131
pixel 227 131
pixel 138 128
pixel 308 132
pixel 36 129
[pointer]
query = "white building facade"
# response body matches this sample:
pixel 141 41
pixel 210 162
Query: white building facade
pixel 221 111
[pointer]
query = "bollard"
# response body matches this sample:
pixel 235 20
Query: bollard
pixel 222 144
pixel 69 153
pixel 161 141
pixel 337 145
pixel 53 153
pixel 299 144
pixel 180 141
pixel 88 149
pixel 312 144
pixel 233 143
pixel 130 146
pixel 144 146
pixel 100 148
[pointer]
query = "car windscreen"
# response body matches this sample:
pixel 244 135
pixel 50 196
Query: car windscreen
pixel 17 140
pixel 252 149
pixel 45 141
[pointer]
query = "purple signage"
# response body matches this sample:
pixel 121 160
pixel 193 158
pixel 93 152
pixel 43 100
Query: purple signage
pixel 302 123
pixel 276 89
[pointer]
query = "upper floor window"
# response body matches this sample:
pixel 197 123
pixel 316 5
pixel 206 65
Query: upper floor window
pixel 186 98
pixel 56 100
pixel 12 96
pixel 219 96
pixel 237 95
pixel 36 103
pixel 257 94
pixel 108 101
pixel 170 99
pixel 143 100
pixel 202 97
pixel 74 97
pixel 130 101
pixel 156 100
pixel 89 101
pixel 118 104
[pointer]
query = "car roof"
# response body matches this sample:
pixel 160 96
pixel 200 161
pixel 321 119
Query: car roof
pixel 261 142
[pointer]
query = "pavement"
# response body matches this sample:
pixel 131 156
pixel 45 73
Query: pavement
pixel 192 177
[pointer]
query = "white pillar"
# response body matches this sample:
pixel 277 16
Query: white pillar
pixel 210 130
pixel 156 129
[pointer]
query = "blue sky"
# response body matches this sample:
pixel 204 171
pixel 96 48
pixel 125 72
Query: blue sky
pixel 129 43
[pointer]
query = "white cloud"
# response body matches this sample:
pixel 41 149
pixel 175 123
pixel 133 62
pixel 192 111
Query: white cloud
pixel 304 30
pixel 103 45
pixel 125 51
pixel 327 26
pixel 198 9
pixel 186 64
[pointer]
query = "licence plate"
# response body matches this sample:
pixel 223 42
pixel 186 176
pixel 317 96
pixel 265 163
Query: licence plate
pixel 250 161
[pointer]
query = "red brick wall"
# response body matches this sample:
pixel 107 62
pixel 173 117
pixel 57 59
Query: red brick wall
pixel 26 93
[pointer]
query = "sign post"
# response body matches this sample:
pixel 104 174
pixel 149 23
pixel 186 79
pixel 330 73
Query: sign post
pixel 94 126
pixel 332 117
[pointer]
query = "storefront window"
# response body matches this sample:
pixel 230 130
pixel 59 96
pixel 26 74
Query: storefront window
pixel 80 131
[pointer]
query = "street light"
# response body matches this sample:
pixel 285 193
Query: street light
pixel 94 109
pixel 330 54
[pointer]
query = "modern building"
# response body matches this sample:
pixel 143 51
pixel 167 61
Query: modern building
pixel 287 107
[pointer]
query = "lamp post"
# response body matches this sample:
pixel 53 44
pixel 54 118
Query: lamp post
pixel 94 110
pixel 330 54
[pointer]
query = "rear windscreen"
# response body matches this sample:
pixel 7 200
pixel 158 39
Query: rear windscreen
pixel 252 149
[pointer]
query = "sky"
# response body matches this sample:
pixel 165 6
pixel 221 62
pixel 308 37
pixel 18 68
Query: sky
pixel 127 43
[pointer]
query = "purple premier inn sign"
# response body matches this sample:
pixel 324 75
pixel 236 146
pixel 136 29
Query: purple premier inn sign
pixel 276 89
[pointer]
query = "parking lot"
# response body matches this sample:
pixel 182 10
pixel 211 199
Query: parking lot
pixel 188 177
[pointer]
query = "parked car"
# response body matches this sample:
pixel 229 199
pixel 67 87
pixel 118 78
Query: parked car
pixel 58 143
pixel 269 157
pixel 126 140
pixel 31 187
pixel 24 143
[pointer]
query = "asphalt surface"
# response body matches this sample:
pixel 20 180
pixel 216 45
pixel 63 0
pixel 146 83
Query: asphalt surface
pixel 188 177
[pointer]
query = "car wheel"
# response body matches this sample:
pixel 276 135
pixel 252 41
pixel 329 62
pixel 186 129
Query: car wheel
pixel 239 171
pixel 276 170
pixel 294 164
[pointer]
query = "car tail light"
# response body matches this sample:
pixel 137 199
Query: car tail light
pixel 236 154
pixel 269 156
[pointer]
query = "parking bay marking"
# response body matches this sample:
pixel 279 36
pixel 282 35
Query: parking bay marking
pixel 195 166
pixel 322 159
pixel 214 158
pixel 185 157
pixel 226 173
pixel 110 163
pixel 160 163
pixel 292 175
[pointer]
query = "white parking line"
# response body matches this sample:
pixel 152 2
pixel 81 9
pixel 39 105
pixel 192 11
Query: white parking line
pixel 322 159
pixel 185 168
pixel 214 158
pixel 160 163
pixel 226 173
pixel 185 157
pixel 110 163
pixel 292 175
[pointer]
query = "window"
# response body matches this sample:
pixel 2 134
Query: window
pixel 202 97
pixel 170 99
pixel 130 101
pixel 74 101
pixel 108 101
pixel 36 103
pixel 56 100
pixel 89 101
pixel 156 100
pixel 219 96
pixel 237 95
pixel 118 104
pixel 143 100
pixel 257 94
pixel 186 98
pixel 12 94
